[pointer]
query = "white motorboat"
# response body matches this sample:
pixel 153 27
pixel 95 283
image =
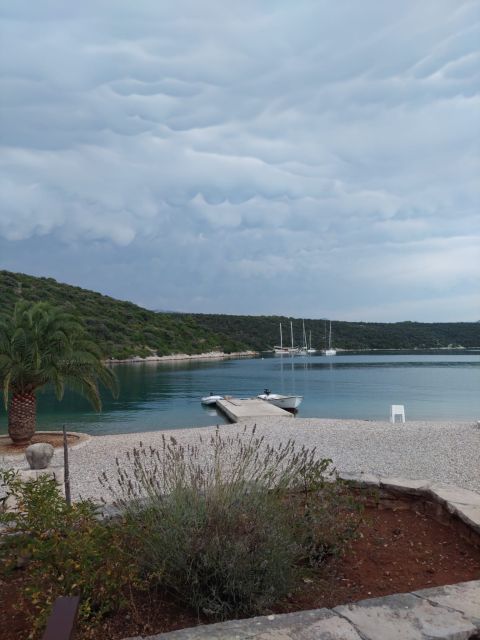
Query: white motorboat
pixel 211 399
pixel 290 403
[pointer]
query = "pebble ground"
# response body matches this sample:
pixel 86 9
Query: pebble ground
pixel 443 452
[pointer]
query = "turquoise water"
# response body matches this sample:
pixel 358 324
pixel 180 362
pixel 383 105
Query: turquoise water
pixel 432 386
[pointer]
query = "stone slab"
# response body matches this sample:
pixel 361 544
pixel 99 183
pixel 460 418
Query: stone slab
pixel 320 624
pixel 244 408
pixel 446 494
pixel 362 479
pixel 463 597
pixel 404 485
pixel 405 616
pixel 468 514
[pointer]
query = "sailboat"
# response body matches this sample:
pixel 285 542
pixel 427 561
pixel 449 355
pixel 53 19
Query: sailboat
pixel 280 349
pixel 329 351
pixel 310 349
pixel 303 351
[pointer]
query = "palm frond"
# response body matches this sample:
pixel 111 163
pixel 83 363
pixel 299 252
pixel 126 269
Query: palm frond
pixel 43 345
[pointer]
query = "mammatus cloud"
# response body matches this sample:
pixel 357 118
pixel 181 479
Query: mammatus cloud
pixel 212 157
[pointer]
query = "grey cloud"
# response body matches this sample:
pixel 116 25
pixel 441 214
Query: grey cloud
pixel 246 145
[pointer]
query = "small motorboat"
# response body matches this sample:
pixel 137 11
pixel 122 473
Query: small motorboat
pixel 290 403
pixel 211 399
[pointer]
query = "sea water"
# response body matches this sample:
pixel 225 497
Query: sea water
pixel 444 385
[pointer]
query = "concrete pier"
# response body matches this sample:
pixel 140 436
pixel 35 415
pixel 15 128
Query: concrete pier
pixel 237 409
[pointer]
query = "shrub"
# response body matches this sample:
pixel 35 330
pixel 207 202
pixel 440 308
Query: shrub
pixel 64 549
pixel 225 523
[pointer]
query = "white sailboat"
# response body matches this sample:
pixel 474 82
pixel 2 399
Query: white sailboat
pixel 310 348
pixel 329 351
pixel 303 351
pixel 280 349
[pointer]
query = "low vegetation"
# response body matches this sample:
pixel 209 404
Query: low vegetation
pixel 64 550
pixel 225 526
pixel 225 523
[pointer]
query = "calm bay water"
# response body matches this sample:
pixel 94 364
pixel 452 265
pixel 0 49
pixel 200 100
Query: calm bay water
pixel 432 386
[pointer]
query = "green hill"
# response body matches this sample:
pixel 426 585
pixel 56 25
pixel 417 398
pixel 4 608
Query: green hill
pixel 262 332
pixel 123 329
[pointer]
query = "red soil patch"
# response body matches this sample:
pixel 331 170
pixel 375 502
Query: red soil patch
pixel 397 551
pixel 55 439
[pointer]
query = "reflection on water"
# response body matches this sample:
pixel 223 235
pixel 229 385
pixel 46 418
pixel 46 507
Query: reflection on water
pixel 443 385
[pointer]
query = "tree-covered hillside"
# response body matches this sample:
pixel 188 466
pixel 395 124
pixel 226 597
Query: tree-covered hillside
pixel 262 332
pixel 122 329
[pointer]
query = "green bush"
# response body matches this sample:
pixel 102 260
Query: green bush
pixel 64 550
pixel 225 524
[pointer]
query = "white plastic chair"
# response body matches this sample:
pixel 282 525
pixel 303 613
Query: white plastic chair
pixel 397 410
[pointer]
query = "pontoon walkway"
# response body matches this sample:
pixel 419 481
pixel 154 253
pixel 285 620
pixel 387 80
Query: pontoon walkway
pixel 244 408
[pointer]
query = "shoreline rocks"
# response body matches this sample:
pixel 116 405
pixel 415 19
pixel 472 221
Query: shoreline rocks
pixel 211 355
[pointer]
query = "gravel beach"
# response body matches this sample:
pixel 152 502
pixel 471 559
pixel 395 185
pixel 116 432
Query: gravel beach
pixel 444 452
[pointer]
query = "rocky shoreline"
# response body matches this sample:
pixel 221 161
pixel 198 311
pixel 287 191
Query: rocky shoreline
pixel 211 355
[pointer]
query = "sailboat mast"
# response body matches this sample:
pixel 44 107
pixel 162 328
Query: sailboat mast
pixel 291 331
pixel 281 337
pixel 304 335
pixel 310 339
pixel 330 336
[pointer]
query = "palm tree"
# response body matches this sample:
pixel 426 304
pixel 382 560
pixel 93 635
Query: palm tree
pixel 43 345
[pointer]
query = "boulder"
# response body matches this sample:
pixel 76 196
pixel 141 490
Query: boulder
pixel 39 455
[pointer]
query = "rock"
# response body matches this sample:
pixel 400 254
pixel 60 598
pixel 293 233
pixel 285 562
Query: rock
pixel 406 616
pixel 463 597
pixel 39 455
pixel 404 485
pixel 319 624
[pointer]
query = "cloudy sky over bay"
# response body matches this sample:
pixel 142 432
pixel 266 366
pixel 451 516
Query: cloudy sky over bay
pixel 313 158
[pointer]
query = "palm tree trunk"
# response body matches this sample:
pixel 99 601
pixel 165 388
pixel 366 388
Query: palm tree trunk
pixel 22 411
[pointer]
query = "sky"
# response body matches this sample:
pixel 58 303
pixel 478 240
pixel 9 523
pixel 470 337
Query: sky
pixel 311 158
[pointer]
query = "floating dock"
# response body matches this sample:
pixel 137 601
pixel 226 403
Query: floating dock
pixel 237 409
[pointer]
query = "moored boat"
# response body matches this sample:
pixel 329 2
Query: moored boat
pixel 211 399
pixel 329 351
pixel 281 349
pixel 290 403
pixel 310 348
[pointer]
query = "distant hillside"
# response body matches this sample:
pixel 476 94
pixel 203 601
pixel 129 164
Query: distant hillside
pixel 122 329
pixel 262 332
